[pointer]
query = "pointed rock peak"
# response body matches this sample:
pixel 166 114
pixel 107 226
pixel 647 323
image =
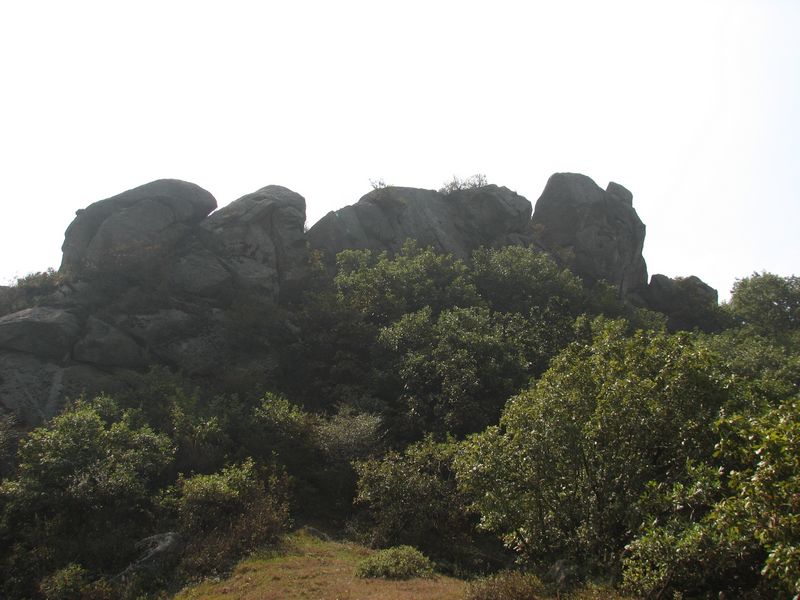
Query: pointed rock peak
pixel 620 192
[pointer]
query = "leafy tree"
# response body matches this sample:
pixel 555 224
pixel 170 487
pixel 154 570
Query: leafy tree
pixel 562 473
pixel 458 369
pixel 735 526
pixel 522 280
pixel 337 360
pixel 761 371
pixel 82 493
pixel 768 303
pixel 383 289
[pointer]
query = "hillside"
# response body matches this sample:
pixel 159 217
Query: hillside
pixel 456 373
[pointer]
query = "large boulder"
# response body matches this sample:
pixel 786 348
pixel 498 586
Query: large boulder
pixel 455 223
pixel 134 228
pixel 259 239
pixel 47 332
pixel 595 232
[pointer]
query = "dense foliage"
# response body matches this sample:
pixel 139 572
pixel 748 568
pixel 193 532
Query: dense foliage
pixel 449 405
pixel 562 473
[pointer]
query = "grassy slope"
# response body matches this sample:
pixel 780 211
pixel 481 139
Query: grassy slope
pixel 313 569
pixel 307 567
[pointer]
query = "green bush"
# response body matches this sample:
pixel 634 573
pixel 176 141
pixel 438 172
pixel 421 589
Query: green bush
pixel 735 528
pixel 349 435
pixel 400 562
pixel 226 514
pixel 383 289
pixel 28 290
pixel 83 492
pixel 562 474
pixel 506 585
pixel 459 367
pixel 412 499
pixel 65 584
pixel 517 279
pixel 767 303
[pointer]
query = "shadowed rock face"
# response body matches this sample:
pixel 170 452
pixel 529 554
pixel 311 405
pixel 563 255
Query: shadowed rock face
pixel 596 233
pixel 688 302
pixel 148 278
pixel 456 223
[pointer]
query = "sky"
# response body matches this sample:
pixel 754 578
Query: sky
pixel 693 106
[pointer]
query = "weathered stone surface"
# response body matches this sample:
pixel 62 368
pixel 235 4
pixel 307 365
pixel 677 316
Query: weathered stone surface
pixel 46 332
pixel 260 237
pixel 106 345
pixel 133 228
pixel 456 223
pixel 158 553
pixel 35 389
pixel 89 381
pixel 688 302
pixel 195 355
pixel 200 273
pixel 191 343
pixel 30 387
pixel 596 233
pixel 159 327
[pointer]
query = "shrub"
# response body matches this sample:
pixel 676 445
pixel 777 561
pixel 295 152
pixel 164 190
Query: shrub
pixel 229 513
pixel 458 369
pixel 8 444
pixel 412 498
pixel 456 183
pixel 735 528
pixel 28 290
pixel 768 303
pixel 506 585
pixel 349 435
pixel 83 492
pixel 383 289
pixel 562 474
pixel 65 584
pixel 400 562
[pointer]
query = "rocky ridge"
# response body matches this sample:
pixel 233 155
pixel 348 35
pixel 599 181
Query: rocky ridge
pixel 149 276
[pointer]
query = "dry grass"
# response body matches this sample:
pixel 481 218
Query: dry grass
pixel 312 569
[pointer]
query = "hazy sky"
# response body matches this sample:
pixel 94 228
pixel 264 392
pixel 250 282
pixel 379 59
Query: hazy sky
pixel 694 106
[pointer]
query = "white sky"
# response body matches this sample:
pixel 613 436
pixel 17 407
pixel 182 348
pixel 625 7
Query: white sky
pixel 694 106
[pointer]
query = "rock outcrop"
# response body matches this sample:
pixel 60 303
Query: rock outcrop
pixel 134 228
pixel 48 332
pixel 260 238
pixel 456 223
pixel 596 233
pixel 153 277
pixel 688 302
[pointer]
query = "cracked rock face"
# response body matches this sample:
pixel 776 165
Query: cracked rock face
pixel 133 228
pixel 259 238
